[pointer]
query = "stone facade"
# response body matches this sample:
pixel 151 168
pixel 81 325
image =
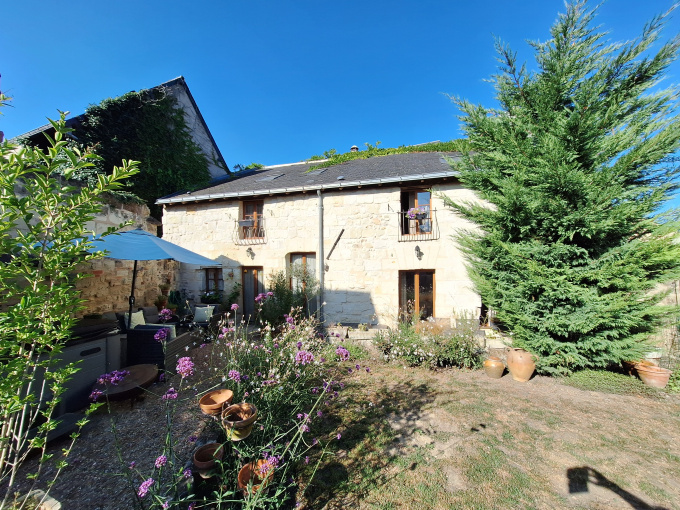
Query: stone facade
pixel 360 226
pixel 109 286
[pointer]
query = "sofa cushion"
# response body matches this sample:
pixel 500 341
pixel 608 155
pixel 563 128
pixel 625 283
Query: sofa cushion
pixel 136 320
pixel 203 313
pixel 171 327
pixel 150 314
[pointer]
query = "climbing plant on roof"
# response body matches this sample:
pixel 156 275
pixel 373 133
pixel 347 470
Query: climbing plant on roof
pixel 149 127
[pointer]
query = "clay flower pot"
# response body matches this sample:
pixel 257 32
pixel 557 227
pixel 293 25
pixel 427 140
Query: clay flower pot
pixel 253 473
pixel 653 376
pixel 629 366
pixel 238 420
pixel 212 402
pixel 520 364
pixel 494 367
pixel 206 457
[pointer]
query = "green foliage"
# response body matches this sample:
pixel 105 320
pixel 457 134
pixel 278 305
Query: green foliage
pixel 253 166
pixel 373 151
pixel 147 126
pixel 420 343
pixel 674 382
pixel 606 381
pixel 570 253
pixel 286 297
pixel 43 232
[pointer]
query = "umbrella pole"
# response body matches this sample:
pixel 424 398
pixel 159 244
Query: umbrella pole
pixel 132 294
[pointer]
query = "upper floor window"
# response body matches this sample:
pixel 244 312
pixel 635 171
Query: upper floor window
pixel 251 223
pixel 416 206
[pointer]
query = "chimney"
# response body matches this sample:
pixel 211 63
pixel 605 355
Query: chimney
pixel 354 148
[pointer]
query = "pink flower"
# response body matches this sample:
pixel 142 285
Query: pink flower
pixel 161 461
pixel 171 394
pixel 94 396
pixel 304 358
pixel 144 488
pixel 185 367
pixel 343 353
pixel 234 307
pixel 161 335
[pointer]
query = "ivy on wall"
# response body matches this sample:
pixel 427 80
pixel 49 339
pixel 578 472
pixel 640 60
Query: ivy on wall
pixel 148 127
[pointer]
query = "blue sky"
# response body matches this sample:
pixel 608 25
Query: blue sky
pixel 280 81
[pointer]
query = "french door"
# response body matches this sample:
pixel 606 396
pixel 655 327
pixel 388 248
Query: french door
pixel 416 294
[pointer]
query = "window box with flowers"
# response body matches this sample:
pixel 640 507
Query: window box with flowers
pixel 211 297
pixel 417 213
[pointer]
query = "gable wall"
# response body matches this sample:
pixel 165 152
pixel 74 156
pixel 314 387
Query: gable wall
pixel 362 273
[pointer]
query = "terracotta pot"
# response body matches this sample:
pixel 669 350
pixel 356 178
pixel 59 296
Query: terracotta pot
pixel 520 364
pixel 252 473
pixel 212 402
pixel 238 420
pixel 206 457
pixel 494 367
pixel 653 376
pixel 629 366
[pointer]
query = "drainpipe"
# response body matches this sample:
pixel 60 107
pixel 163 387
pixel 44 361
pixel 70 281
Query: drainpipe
pixel 320 259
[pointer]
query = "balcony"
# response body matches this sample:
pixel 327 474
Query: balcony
pixel 250 230
pixel 422 228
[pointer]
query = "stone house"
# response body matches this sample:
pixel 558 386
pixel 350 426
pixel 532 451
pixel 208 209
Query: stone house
pixel 374 232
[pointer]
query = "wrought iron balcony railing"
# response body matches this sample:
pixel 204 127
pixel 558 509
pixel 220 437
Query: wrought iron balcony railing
pixel 424 227
pixel 250 230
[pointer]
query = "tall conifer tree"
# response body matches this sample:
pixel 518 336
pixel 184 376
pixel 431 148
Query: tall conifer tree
pixel 569 252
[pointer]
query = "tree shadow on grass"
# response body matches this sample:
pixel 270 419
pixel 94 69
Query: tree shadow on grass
pixel 360 462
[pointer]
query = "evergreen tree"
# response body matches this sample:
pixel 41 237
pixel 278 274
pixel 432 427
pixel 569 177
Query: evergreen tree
pixel 569 252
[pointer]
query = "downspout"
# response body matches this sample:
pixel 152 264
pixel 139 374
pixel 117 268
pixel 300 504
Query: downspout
pixel 320 269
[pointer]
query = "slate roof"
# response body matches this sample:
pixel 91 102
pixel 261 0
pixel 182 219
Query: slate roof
pixel 296 177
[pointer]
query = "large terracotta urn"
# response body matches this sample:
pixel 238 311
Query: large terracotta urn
pixel 520 364
pixel 653 376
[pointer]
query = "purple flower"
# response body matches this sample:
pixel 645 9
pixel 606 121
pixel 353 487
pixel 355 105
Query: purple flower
pixel 235 376
pixel 234 307
pixel 133 464
pixel 165 314
pixel 343 353
pixel 270 294
pixel 171 394
pixel 94 396
pixel 270 463
pixel 165 505
pixel 304 428
pixel 315 390
pixel 358 367
pixel 259 297
pixel 161 461
pixel 299 345
pixel 186 473
pixel 315 442
pixel 161 334
pixel 185 367
pixel 144 488
pixel 161 377
pixel 307 460
pixel 192 439
pixel 323 360
pixel 319 414
pixel 339 436
pixel 116 377
pixel 304 358
pixel 368 369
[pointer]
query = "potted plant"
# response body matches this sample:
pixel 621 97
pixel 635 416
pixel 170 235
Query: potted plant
pixel 212 297
pixel 165 288
pixel 417 213
pixel 161 301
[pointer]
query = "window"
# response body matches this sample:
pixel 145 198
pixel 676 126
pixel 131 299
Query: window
pixel 252 220
pixel 213 279
pixel 303 277
pixel 416 294
pixel 303 268
pixel 416 209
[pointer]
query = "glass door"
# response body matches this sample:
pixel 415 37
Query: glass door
pixel 416 294
pixel 253 284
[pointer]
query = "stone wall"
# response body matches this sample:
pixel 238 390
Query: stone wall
pixel 362 273
pixel 109 286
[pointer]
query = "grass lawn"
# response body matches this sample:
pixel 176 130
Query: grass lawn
pixel 415 438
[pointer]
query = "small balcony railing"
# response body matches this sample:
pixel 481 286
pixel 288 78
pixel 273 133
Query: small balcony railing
pixel 250 230
pixel 424 227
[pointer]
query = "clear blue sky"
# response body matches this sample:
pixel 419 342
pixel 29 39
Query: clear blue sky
pixel 278 81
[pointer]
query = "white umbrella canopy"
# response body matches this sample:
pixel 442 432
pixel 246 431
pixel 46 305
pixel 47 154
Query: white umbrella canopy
pixel 141 245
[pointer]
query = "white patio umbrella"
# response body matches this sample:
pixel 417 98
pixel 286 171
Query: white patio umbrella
pixel 141 245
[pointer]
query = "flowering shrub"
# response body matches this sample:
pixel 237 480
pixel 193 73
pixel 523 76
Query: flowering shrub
pixel 424 343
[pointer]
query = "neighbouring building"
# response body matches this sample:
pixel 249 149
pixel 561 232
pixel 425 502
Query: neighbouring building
pixel 374 232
